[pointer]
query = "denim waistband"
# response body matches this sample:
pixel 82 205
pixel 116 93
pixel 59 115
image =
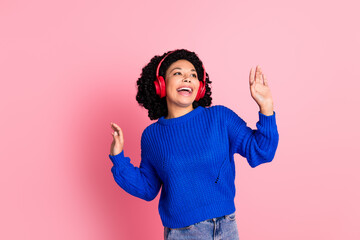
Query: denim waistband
pixel 217 218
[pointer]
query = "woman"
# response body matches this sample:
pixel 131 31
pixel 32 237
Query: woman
pixel 190 150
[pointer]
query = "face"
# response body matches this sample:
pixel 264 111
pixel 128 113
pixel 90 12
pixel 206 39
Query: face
pixel 181 73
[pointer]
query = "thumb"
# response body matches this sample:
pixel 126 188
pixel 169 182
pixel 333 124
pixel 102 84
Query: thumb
pixel 251 77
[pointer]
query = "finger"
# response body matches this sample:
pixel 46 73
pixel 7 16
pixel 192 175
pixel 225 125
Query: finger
pixel 251 76
pixel 115 130
pixel 121 136
pixel 261 75
pixel 115 126
pixel 257 74
pixel 265 80
pixel 118 136
pixel 252 81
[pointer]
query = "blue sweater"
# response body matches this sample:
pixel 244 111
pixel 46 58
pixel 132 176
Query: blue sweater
pixel 192 158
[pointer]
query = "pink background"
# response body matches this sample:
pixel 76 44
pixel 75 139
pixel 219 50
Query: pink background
pixel 69 68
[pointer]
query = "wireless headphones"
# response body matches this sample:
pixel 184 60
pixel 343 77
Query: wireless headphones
pixel 160 82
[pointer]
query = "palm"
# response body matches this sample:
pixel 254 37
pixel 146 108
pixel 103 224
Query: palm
pixel 259 87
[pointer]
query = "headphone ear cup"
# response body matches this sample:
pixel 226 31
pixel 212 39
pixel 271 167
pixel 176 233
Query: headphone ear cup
pixel 201 91
pixel 160 87
pixel 157 87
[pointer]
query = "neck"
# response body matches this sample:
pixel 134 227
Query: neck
pixel 176 111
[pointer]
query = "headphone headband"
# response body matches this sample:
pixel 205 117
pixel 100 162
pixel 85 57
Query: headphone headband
pixel 159 65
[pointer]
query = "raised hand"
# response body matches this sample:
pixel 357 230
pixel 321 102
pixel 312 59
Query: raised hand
pixel 260 90
pixel 117 144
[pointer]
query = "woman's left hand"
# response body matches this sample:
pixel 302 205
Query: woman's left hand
pixel 260 91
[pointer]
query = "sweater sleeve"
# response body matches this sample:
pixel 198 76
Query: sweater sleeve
pixel 143 181
pixel 257 146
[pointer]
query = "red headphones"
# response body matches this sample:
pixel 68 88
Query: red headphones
pixel 160 83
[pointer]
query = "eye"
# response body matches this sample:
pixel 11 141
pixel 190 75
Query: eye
pixel 176 73
pixel 194 75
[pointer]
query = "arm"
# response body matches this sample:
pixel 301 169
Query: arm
pixel 142 181
pixel 257 146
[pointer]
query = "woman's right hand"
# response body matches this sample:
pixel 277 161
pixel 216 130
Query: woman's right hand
pixel 118 140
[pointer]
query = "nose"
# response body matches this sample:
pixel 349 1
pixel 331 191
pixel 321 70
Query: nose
pixel 186 78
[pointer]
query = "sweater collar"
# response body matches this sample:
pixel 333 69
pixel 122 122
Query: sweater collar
pixel 181 119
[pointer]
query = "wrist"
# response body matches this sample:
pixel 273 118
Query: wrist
pixel 267 110
pixel 267 113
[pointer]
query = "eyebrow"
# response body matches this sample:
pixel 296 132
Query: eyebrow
pixel 181 69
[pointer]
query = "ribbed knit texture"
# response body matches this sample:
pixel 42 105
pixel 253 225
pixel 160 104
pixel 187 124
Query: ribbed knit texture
pixel 192 158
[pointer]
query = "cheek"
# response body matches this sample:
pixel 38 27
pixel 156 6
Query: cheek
pixel 169 86
pixel 197 85
pixel 171 82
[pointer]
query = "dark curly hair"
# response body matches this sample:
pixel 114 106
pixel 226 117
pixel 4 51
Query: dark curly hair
pixel 147 96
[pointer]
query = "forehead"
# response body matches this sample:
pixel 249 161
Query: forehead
pixel 182 63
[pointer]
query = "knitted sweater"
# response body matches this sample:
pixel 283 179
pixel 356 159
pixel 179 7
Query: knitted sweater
pixel 192 158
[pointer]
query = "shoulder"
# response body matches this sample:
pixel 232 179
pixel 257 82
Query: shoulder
pixel 229 116
pixel 147 133
pixel 221 113
pixel 148 130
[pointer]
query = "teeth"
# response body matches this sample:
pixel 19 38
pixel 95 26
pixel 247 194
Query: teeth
pixel 186 88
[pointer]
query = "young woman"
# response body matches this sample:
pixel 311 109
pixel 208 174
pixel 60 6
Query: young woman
pixel 189 151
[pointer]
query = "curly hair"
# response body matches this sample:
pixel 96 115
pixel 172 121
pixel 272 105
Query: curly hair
pixel 146 95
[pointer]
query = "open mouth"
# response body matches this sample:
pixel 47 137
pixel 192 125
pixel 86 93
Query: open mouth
pixel 185 89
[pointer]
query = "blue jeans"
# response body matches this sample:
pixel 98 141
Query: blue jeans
pixel 221 228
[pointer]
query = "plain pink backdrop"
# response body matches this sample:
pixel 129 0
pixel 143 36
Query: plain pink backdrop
pixel 69 68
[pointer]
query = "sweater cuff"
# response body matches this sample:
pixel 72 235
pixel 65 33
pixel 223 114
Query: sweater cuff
pixel 119 160
pixel 268 122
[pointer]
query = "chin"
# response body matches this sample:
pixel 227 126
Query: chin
pixel 185 104
pixel 182 101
